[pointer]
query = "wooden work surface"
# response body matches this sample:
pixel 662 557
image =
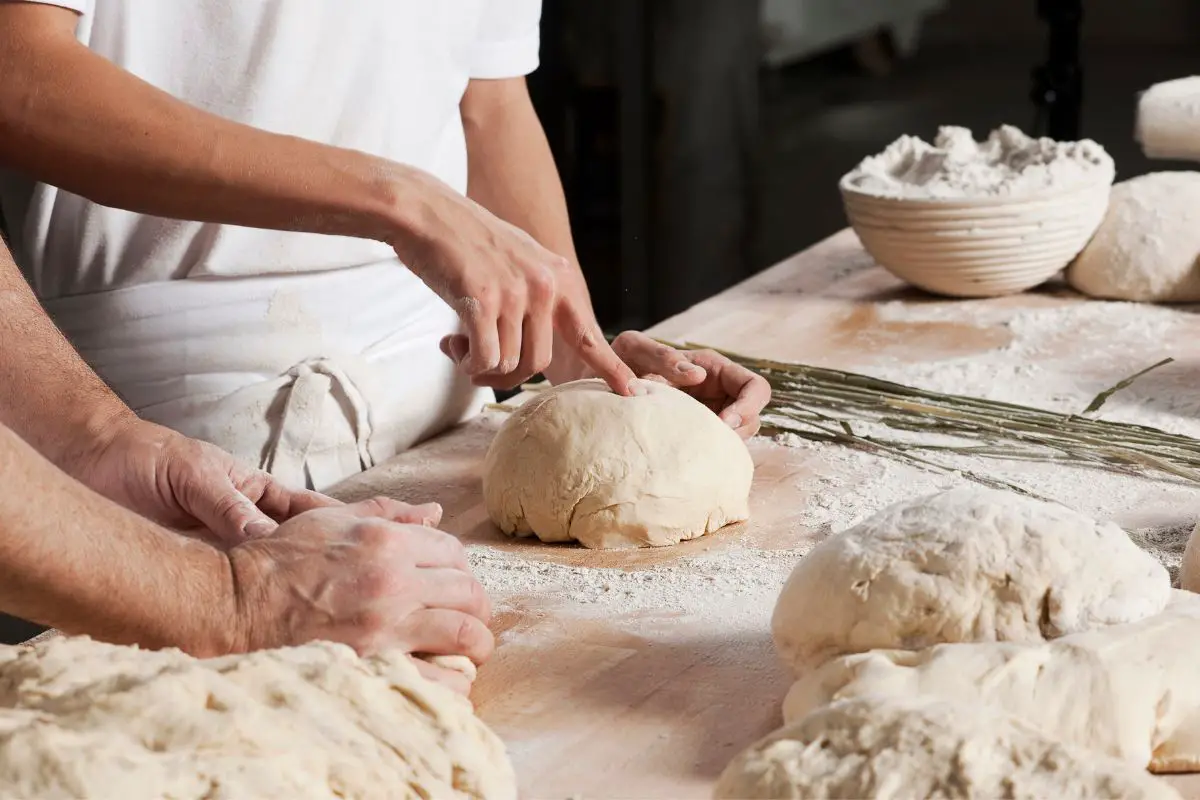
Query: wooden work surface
pixel 619 708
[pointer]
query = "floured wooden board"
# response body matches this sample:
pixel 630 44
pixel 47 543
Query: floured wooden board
pixel 640 674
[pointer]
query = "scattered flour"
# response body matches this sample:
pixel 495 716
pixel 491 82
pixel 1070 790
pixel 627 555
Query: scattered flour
pixel 733 588
pixel 1008 163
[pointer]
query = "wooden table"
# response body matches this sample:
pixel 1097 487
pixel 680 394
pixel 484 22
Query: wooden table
pixel 596 708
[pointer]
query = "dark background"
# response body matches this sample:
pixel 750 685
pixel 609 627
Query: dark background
pixel 742 156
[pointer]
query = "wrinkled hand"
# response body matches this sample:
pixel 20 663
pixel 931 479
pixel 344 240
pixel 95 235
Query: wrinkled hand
pixel 189 485
pixel 735 393
pixel 510 293
pixel 374 575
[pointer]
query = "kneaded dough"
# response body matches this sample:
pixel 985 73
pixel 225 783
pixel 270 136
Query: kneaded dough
pixel 80 718
pixel 966 565
pixel 1148 245
pixel 578 462
pixel 1128 691
pixel 912 748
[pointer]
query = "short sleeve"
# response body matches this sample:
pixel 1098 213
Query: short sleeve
pixel 508 40
pixel 82 7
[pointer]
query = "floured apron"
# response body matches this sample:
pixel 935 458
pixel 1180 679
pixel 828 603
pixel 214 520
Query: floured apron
pixel 313 376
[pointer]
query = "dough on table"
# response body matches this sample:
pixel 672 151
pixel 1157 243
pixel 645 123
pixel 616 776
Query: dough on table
pixel 578 462
pixel 912 748
pixel 1129 691
pixel 1147 247
pixel 966 565
pixel 80 718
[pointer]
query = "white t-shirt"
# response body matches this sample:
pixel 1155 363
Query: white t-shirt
pixel 380 76
pixel 312 356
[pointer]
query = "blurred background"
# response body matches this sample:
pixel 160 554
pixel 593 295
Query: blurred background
pixel 701 140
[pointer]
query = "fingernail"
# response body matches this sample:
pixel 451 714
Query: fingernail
pixel 734 421
pixel 685 366
pixel 259 529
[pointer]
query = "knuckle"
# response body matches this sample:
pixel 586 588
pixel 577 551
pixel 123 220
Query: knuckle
pixel 371 625
pixel 373 534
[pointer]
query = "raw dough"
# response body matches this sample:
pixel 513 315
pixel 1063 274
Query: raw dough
pixel 1148 244
pixel 966 565
pixel 84 719
pixel 1129 691
pixel 1189 570
pixel 908 749
pixel 580 462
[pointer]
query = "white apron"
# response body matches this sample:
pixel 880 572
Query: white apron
pixel 312 376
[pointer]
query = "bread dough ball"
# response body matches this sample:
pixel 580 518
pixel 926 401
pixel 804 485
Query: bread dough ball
pixel 83 719
pixel 966 565
pixel 912 748
pixel 1128 691
pixel 1148 245
pixel 578 462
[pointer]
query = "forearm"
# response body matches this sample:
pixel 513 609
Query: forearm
pixel 53 399
pixel 512 174
pixel 73 119
pixel 74 561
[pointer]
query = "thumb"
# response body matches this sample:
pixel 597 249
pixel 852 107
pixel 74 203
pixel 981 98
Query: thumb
pixel 230 515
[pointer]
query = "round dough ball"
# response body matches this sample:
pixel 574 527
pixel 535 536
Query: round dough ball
pixel 578 462
pixel 967 565
pixel 80 718
pixel 921 748
pixel 1147 247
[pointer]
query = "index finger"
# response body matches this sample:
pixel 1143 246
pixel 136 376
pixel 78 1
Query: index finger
pixel 583 336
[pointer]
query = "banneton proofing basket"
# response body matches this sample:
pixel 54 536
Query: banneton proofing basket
pixel 981 247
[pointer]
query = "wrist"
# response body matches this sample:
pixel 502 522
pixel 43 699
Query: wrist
pixel 90 437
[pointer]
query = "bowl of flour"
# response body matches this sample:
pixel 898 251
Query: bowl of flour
pixel 964 218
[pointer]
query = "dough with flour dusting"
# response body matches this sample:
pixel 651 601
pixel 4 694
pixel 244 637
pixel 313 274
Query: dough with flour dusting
pixel 1147 247
pixel 966 565
pixel 578 462
pixel 1128 691
pixel 80 718
pixel 905 748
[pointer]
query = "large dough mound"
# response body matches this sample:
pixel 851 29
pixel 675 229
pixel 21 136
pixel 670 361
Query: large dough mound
pixel 965 565
pixel 1128 691
pixel 579 462
pixel 83 719
pixel 1148 245
pixel 911 749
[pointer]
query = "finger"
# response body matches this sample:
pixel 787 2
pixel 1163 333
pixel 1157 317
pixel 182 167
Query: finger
pixel 750 393
pixel 230 515
pixel 282 503
pixel 452 679
pixel 749 428
pixel 427 514
pixel 454 589
pixel 455 347
pixel 644 355
pixel 537 343
pixel 443 632
pixel 429 548
pixel 656 379
pixel 509 329
pixel 583 336
pixel 484 338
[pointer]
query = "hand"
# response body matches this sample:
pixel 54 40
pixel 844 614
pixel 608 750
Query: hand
pixel 511 293
pixel 735 393
pixel 374 575
pixel 189 485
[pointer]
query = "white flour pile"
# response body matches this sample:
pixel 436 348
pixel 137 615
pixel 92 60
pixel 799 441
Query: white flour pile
pixel 1007 164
